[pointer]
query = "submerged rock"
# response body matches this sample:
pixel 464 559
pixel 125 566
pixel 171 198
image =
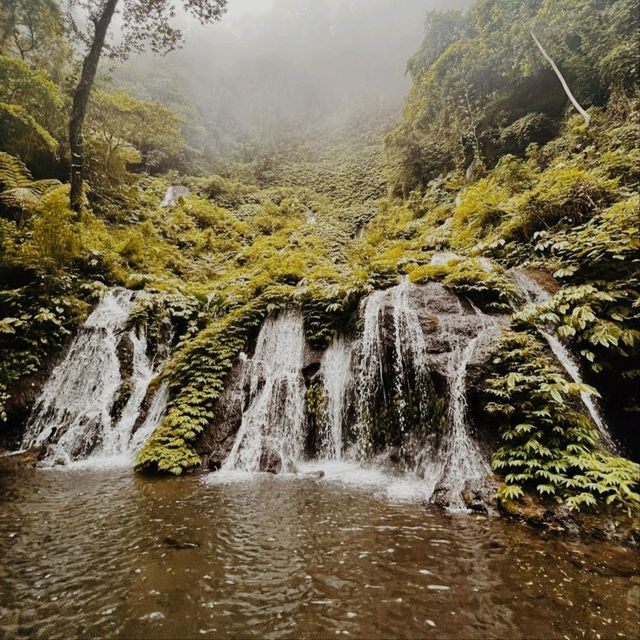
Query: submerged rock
pixel 177 544
pixel 25 459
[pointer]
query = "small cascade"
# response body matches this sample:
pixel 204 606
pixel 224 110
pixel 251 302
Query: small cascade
pixel 535 294
pixel 78 414
pixel 116 439
pixel 394 347
pixel 273 420
pixel 410 348
pixel 393 376
pixel 396 397
pixel 156 413
pixel 372 367
pixel 459 459
pixel 336 374
pixel 73 411
pixel 571 367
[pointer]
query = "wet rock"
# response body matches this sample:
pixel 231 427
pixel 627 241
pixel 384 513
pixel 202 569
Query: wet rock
pixel 124 393
pixel 213 464
pixel 315 474
pixel 217 440
pixel 125 356
pixel 480 495
pixel 310 372
pixel 270 461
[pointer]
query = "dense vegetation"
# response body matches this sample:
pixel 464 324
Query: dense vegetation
pixel 488 162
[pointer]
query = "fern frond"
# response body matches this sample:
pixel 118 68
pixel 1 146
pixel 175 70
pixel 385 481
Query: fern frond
pixel 18 190
pixel 13 173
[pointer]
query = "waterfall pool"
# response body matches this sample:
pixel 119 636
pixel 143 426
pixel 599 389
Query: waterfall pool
pixel 106 553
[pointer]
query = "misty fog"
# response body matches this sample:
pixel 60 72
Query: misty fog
pixel 274 66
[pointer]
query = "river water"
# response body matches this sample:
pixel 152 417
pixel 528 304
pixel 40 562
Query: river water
pixel 105 553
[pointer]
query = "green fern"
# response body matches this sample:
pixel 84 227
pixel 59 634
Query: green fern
pixel 18 189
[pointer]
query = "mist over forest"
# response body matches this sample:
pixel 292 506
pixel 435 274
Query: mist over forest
pixel 272 67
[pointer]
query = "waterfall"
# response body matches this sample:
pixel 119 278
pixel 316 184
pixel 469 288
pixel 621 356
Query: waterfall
pixel 371 368
pixel 74 414
pixel 336 375
pixel 534 294
pixel 116 439
pixel 456 458
pixel 411 361
pixel 273 421
pixel 73 411
pixel 399 377
pixel 571 367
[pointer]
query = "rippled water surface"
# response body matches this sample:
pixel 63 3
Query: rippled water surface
pixel 106 553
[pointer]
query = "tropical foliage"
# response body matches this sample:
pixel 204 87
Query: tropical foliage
pixel 548 445
pixel 487 170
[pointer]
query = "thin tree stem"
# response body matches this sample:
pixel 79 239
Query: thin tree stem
pixel 565 86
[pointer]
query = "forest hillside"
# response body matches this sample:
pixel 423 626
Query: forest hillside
pixel 488 171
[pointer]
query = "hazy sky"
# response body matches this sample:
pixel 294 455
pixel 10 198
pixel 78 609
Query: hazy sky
pixel 239 8
pixel 274 64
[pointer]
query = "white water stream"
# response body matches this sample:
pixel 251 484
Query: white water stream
pixel 274 418
pixel 156 413
pixel 337 376
pixel 535 294
pixel 74 413
pixel 457 459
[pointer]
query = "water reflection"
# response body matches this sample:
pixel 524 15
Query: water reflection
pixel 111 554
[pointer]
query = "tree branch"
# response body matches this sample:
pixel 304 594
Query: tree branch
pixel 565 86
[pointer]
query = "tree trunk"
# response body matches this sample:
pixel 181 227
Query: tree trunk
pixel 81 101
pixel 563 82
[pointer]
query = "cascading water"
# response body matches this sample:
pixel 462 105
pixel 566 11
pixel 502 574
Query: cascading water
pixel 571 367
pixel 411 362
pixel 535 294
pixel 336 374
pixel 152 421
pixel 458 459
pixel 273 422
pixel 116 440
pixel 73 411
pixel 371 368
pixel 397 378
